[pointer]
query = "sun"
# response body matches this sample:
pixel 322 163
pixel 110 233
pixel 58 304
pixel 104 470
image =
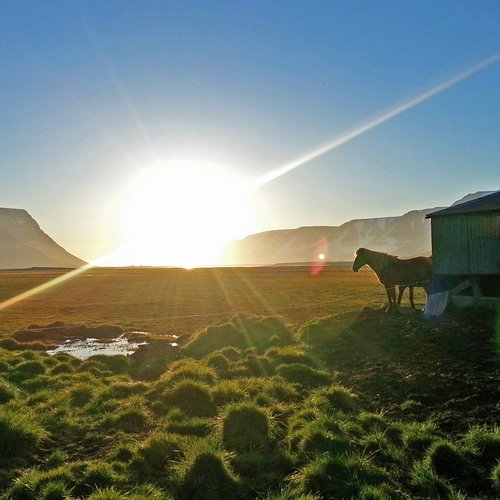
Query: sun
pixel 183 214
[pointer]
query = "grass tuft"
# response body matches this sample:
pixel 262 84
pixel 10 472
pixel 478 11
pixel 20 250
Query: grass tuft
pixel 192 397
pixel 446 460
pixel 303 375
pixel 20 436
pixel 241 332
pixel 495 478
pixel 207 476
pixel 245 427
pixel 8 391
pixel 485 442
pixel 334 399
pixel 337 477
pixel 153 459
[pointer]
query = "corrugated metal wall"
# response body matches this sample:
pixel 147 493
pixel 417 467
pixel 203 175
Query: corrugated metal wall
pixel 466 243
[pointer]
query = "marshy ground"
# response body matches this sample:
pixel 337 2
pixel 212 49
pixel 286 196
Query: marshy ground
pixel 317 394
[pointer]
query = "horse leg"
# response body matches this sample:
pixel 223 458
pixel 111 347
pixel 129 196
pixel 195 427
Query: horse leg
pixel 411 297
pixel 402 289
pixel 391 295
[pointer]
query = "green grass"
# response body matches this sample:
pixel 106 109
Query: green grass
pixel 251 406
pixel 245 426
pixel 303 375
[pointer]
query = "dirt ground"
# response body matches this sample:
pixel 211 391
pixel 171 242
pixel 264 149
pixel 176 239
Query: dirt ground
pixel 446 369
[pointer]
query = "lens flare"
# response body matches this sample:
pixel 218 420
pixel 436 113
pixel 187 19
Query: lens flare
pixel 370 125
pixel 57 281
pixel 337 141
pixel 319 256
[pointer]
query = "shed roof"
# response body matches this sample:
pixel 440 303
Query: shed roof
pixel 487 203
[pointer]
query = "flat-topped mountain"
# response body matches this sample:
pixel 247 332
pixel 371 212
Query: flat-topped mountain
pixel 405 235
pixel 23 244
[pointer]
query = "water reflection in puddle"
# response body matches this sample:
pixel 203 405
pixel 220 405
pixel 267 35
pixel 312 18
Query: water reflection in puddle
pixel 84 348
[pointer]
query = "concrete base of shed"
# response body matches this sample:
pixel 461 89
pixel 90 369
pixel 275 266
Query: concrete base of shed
pixel 463 292
pixel 464 301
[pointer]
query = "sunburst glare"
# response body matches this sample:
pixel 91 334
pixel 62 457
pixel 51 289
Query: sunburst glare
pixel 183 213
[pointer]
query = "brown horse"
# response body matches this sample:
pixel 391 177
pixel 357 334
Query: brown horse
pixel 401 291
pixel 392 271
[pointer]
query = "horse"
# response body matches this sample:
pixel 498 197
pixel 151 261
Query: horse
pixel 392 271
pixel 401 291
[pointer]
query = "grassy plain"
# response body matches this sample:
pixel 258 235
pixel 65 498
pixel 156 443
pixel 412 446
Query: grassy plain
pixel 320 394
pixel 177 301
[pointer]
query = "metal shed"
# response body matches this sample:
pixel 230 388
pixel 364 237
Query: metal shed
pixel 466 247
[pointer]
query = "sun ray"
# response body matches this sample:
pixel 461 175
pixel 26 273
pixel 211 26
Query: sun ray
pixel 240 323
pixel 370 125
pixel 56 281
pixel 257 294
pixel 276 173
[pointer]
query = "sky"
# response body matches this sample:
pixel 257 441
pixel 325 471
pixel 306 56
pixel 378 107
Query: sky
pixel 97 97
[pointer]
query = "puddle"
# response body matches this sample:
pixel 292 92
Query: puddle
pixel 84 348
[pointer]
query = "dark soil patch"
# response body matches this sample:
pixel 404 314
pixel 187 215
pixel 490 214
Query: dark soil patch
pixel 416 368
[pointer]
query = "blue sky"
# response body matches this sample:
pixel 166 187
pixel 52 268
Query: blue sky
pixel 93 91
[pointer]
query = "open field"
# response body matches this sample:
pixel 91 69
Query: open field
pixel 177 301
pixel 315 396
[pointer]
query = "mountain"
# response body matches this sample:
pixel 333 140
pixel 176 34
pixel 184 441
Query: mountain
pixel 406 235
pixel 23 244
pixel 472 196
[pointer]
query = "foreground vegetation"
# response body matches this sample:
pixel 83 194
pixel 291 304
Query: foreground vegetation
pixel 245 409
pixel 360 404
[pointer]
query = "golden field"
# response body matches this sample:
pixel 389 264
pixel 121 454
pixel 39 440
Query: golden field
pixel 166 300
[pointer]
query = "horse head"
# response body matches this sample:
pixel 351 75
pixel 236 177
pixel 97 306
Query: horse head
pixel 360 259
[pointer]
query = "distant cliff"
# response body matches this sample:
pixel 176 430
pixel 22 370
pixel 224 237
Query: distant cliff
pixel 406 235
pixel 23 244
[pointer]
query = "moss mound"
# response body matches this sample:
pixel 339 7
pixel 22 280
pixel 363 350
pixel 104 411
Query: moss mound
pixel 207 477
pixel 191 397
pixel 262 471
pixel 20 436
pixel 338 477
pixel 130 419
pixel 95 475
pixel 333 399
pixel 228 391
pixel 241 332
pixel 188 369
pixel 321 441
pixel 81 394
pixel 218 362
pixel 325 332
pixel 417 437
pixel 446 460
pixel 8 391
pixel 288 355
pixel 153 459
pixel 495 478
pixel 485 441
pixel 33 484
pixel 304 375
pixel 245 426
pixel 31 368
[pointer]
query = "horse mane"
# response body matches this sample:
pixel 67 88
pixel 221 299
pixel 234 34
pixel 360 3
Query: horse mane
pixel 385 258
pixel 389 259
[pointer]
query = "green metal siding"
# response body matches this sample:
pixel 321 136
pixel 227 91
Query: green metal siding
pixel 484 243
pixel 450 249
pixel 466 243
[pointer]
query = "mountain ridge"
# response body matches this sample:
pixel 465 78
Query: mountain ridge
pixel 23 244
pixel 406 235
